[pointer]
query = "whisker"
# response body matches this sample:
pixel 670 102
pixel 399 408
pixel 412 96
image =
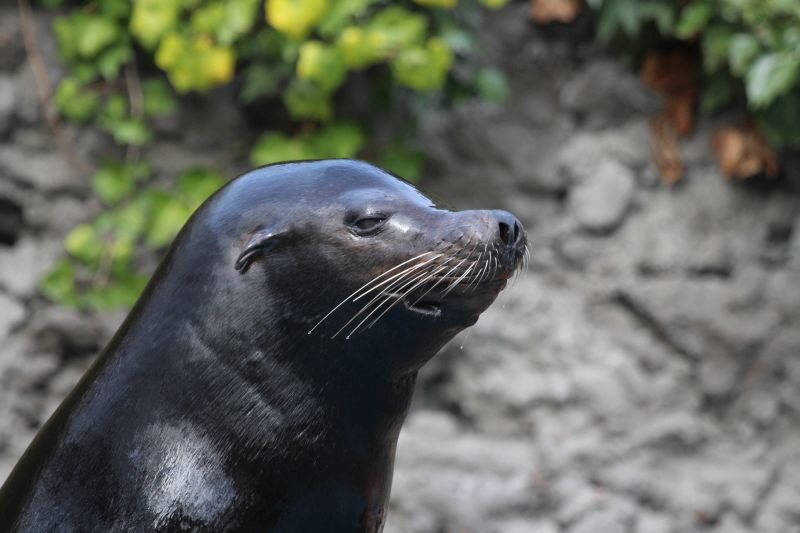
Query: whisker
pixel 398 298
pixel 365 285
pixel 454 284
pixel 392 286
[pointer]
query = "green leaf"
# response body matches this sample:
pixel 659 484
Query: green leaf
pixel 494 4
pixel 716 43
pixel 110 60
pixel 114 9
pixel 322 64
pixel 273 147
pixel 359 48
pixel 423 68
pixel 305 99
pixel 151 19
pixel 75 101
pixel 158 99
pixel 226 20
pixel 339 139
pixel 195 63
pixel 59 284
pixel 112 183
pixel 402 160
pixel 446 4
pixel 262 80
pixel 340 15
pixel 719 89
pixel 127 131
pixel 770 76
pixel 393 29
pixel 84 243
pixel 197 184
pixel 295 18
pixel 694 18
pixel 96 34
pixel 743 50
pixel 778 121
pixel 166 220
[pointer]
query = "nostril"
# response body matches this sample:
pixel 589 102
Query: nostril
pixel 516 232
pixel 505 233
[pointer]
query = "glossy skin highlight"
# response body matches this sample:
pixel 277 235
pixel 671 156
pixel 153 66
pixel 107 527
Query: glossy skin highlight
pixel 214 409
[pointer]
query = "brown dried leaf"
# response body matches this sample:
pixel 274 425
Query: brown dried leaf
pixel 743 153
pixel 546 11
pixel 673 74
pixel 666 152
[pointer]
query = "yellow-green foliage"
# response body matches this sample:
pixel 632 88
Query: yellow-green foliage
pixel 301 51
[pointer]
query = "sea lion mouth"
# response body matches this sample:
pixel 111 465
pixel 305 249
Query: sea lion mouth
pixel 456 281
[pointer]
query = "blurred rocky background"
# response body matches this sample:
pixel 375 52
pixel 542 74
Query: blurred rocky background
pixel 642 377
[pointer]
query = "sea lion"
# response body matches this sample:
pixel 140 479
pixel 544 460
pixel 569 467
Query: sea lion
pixel 260 382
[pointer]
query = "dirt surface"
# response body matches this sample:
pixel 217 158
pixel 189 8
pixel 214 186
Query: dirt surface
pixel 642 377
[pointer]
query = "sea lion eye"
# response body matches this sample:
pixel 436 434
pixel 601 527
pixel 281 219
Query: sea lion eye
pixel 368 225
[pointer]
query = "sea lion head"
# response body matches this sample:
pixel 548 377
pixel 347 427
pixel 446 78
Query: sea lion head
pixel 344 256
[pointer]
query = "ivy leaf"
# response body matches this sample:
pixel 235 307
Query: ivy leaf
pixel 393 29
pixel 197 184
pixel 59 284
pixel 295 18
pixel 305 99
pixel 84 243
pixel 359 48
pixel 322 64
pixel 75 101
pixel 158 99
pixel 339 139
pixel 262 80
pixel 167 217
pixel 423 68
pixel 770 76
pixel 716 43
pixel 127 130
pixel 743 50
pixel 778 121
pixel 111 59
pixel 694 18
pixel 194 62
pixel 151 19
pixel 274 147
pixel 494 4
pixel 446 4
pixel 96 34
pixel 340 14
pixel 112 183
pixel 402 160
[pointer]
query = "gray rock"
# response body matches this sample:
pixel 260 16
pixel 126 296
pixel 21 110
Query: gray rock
pixel 11 314
pixel 7 91
pixel 605 88
pixel 45 171
pixel 23 265
pixel 607 521
pixel 476 477
pixel 600 203
pixel 12 50
pixel 66 332
pixel 650 522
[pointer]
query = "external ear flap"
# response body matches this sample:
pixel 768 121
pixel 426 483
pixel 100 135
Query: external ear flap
pixel 258 244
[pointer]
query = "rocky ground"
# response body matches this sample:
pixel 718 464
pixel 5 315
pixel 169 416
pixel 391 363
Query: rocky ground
pixel 642 377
